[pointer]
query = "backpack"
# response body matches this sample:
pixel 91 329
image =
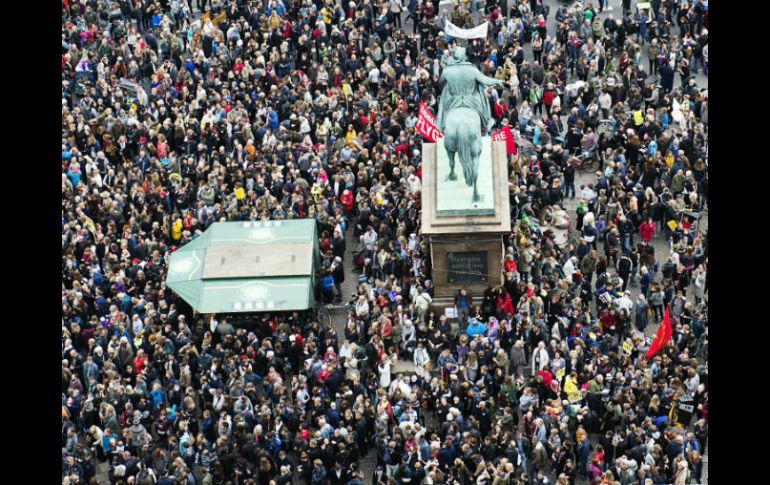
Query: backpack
pixel 144 478
pixel 328 282
pixel 698 51
pixel 386 457
pixel 624 263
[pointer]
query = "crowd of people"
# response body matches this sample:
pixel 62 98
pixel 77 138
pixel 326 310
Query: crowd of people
pixel 278 109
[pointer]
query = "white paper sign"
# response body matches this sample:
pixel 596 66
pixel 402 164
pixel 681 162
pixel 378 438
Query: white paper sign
pixel 478 32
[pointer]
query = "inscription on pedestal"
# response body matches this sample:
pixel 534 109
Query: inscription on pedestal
pixel 467 267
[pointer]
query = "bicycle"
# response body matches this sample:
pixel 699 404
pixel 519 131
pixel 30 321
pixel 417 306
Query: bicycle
pixel 322 314
pixel 585 161
pixel 605 125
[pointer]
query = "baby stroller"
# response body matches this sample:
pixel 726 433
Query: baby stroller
pixel 573 92
pixel 691 219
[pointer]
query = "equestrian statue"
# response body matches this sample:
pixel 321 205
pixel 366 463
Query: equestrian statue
pixel 463 111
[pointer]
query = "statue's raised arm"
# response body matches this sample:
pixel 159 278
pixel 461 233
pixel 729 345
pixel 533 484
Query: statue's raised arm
pixel 488 81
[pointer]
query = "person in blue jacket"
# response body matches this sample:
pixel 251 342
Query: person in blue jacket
pixel 272 119
pixel 476 328
pixel 319 476
pixel 158 397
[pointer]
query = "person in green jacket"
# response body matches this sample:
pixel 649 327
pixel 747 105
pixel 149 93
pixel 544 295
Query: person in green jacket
pixel 612 65
pixel 597 28
pixel 510 390
pixel 677 182
pixel 581 210
pixel 595 385
pixel 652 55
pixel 536 99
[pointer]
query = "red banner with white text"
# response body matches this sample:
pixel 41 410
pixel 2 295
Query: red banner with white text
pixel 426 124
pixel 505 134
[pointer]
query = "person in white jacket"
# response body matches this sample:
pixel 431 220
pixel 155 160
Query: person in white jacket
pixel 699 284
pixel 384 369
pixel 569 267
pixel 421 358
pixel 605 103
pixel 539 358
pixel 413 184
pixel 362 306
pixel 408 335
pixel 422 305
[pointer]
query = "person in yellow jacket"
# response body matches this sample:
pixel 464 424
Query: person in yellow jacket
pixel 275 21
pixel 571 388
pixel 317 192
pixel 326 15
pixel 350 137
pixel 669 159
pixel 176 230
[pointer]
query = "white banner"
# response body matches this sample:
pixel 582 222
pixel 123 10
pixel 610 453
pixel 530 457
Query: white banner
pixel 478 32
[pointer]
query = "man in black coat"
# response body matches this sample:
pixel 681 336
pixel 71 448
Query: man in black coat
pixel 338 245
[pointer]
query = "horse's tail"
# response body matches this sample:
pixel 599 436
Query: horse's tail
pixel 464 132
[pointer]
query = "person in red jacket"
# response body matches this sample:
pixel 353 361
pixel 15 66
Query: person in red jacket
pixel 548 96
pixel 324 374
pixel 608 319
pixel 346 199
pixel 325 243
pixel 647 230
pixel 547 376
pixel 501 109
pixel 386 331
pixel 510 264
pixel 139 361
pixel 504 303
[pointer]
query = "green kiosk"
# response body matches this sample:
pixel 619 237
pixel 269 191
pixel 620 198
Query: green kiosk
pixel 249 266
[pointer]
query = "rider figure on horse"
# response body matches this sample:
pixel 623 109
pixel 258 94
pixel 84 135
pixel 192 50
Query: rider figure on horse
pixel 464 87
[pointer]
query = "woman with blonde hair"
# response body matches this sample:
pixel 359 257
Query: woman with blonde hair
pixel 471 367
pixel 682 474
pixel 653 409
pixel 525 114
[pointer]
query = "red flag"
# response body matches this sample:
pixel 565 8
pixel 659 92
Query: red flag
pixel 426 124
pixel 506 135
pixel 661 337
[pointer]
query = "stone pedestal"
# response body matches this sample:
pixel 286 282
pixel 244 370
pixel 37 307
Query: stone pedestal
pixel 467 245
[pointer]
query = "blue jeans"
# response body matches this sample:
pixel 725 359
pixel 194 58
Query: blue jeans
pixel 625 243
pixel 569 186
pixel 695 62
